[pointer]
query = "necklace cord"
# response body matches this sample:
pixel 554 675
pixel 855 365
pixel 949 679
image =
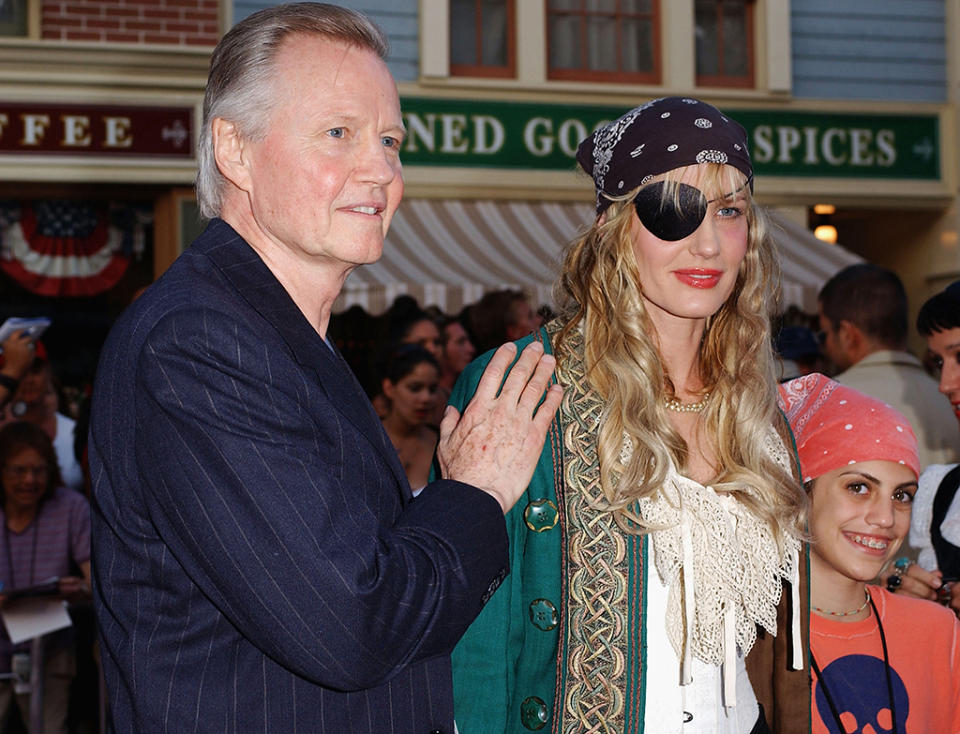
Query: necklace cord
pixel 886 666
pixel 866 600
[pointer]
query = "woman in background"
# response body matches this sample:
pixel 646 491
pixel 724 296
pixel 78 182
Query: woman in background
pixel 36 400
pixel 406 323
pixel 46 535
pixel 409 385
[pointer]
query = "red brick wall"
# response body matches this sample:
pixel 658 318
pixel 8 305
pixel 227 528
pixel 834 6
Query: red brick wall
pixel 170 22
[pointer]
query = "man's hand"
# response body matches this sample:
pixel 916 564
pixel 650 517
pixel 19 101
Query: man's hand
pixel 497 441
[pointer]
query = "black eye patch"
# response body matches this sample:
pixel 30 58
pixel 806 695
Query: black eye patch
pixel 671 218
pixel 668 217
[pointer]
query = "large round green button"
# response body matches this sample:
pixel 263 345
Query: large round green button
pixel 533 713
pixel 543 614
pixel 540 515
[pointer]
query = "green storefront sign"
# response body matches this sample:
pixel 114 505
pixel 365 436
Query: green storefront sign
pixel 454 132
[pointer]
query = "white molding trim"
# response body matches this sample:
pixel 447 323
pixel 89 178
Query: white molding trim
pixel 530 27
pixel 434 39
pixel 225 22
pixel 772 49
pixel 677 47
pixel 33 67
pixel 776 73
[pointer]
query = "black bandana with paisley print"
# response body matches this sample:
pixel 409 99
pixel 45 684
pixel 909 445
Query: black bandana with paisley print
pixel 657 137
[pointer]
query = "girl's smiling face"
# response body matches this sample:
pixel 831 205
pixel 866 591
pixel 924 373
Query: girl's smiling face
pixel 859 516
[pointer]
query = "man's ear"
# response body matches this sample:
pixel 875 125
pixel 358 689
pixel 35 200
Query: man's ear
pixel 852 340
pixel 229 153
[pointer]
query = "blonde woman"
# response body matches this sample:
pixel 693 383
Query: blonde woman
pixel 656 552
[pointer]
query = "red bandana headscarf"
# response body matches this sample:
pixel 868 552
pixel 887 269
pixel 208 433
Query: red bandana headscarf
pixel 835 425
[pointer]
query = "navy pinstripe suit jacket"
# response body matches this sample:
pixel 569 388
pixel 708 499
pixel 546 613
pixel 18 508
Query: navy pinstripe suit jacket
pixel 259 565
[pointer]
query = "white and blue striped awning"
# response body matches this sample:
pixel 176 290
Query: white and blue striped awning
pixel 449 252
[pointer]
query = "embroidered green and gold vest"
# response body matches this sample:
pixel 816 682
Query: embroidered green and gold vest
pixel 559 648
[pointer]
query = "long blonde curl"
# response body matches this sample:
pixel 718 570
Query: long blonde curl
pixel 599 289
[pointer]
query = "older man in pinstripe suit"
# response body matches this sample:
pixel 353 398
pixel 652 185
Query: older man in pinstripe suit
pixel 259 564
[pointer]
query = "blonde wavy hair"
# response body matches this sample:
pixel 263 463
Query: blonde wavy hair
pixel 600 289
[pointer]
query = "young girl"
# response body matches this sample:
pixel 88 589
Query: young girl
pixel 880 662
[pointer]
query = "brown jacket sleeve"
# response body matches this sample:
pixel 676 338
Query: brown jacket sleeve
pixel 784 693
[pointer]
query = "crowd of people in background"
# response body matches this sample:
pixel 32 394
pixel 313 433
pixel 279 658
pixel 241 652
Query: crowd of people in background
pixel 44 490
pixel 411 361
pixel 859 337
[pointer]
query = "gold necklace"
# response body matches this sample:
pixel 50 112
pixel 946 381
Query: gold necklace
pixel 675 405
pixel 845 614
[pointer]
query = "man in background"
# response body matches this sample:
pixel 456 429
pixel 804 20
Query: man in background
pixel 863 316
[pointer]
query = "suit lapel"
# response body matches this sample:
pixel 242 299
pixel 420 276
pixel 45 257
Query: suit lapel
pixel 256 284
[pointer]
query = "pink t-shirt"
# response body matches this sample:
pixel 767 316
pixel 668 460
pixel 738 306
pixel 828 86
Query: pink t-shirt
pixel 923 646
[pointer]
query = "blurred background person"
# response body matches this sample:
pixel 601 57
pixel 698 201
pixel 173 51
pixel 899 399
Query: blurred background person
pixel 46 534
pixel 881 662
pixel 863 316
pixel 409 386
pixel 407 323
pixel 501 316
pixel 37 401
pixel 404 323
pixel 15 360
pixel 799 352
pixel 457 352
pixel 935 527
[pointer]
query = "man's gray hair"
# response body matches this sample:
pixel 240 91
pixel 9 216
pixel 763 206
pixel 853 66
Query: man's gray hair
pixel 240 84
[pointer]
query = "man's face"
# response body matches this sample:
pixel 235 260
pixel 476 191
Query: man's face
pixel 325 180
pixel 832 344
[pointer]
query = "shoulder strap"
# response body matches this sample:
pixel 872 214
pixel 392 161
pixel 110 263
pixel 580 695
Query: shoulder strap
pixel 948 555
